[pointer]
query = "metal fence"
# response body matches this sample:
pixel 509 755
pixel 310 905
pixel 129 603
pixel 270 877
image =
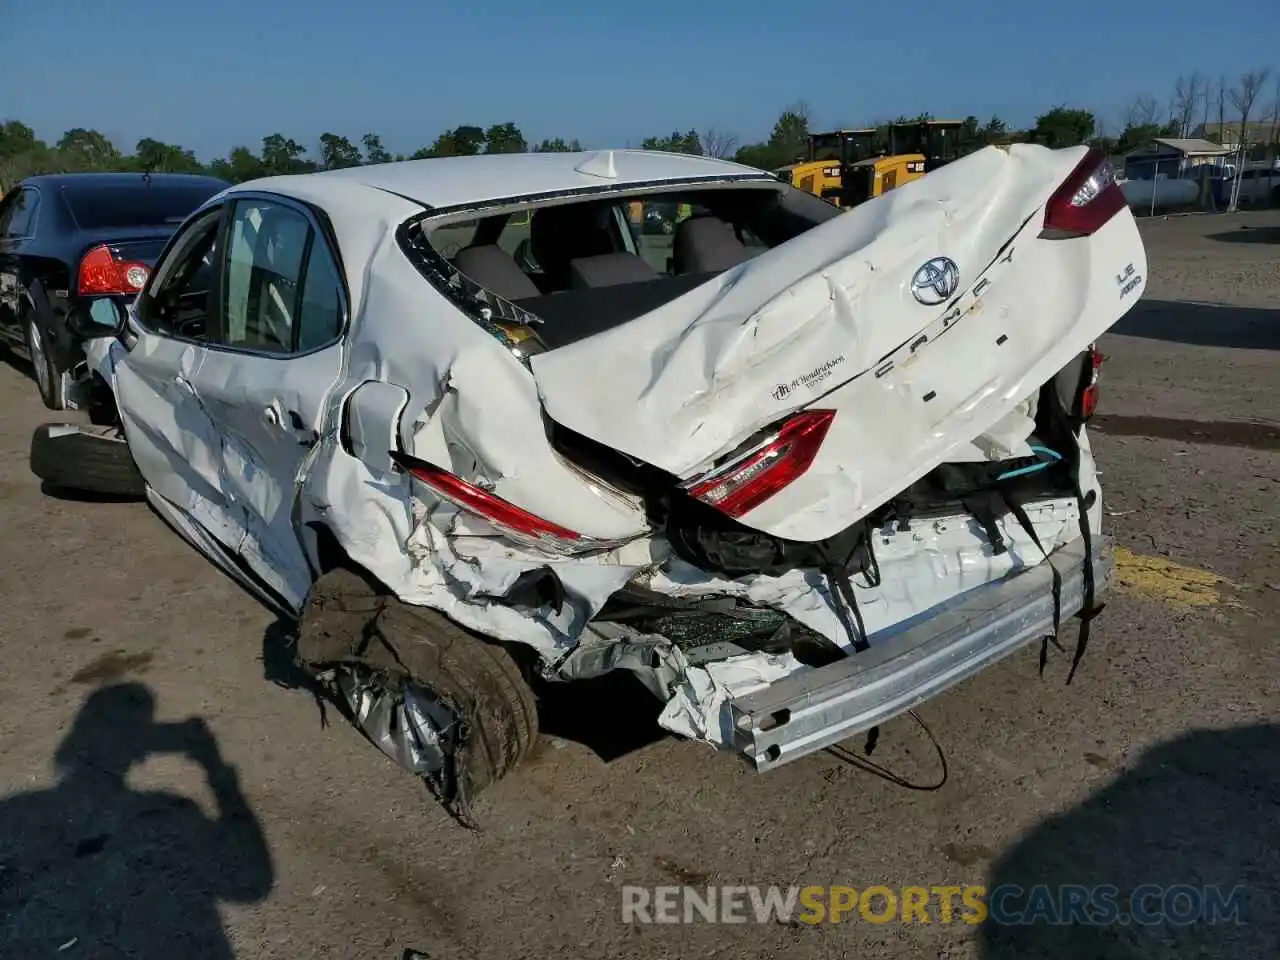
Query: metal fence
pixel 1171 186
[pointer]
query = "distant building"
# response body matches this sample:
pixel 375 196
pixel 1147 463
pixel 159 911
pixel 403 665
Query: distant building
pixel 1258 133
pixel 1172 157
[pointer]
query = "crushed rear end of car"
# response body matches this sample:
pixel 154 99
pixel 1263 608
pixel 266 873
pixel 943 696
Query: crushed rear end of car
pixel 809 492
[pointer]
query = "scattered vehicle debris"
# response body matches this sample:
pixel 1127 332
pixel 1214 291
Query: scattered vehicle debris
pixel 799 475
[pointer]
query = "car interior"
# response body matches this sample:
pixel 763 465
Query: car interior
pixel 587 266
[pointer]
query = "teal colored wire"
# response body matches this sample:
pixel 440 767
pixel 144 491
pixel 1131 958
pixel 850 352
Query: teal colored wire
pixel 1033 467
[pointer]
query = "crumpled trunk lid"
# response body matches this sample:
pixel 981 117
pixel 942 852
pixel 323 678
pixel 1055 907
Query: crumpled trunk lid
pixel 830 320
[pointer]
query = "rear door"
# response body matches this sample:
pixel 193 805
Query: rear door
pixel 17 225
pixel 267 374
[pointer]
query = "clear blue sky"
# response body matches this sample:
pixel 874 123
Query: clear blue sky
pixel 208 74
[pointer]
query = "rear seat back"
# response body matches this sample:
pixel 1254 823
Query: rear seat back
pixel 706 244
pixel 495 270
pixel 607 270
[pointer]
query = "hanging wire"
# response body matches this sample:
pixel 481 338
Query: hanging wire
pixel 884 773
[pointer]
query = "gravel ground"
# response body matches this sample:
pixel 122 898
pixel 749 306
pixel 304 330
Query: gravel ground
pixel 175 793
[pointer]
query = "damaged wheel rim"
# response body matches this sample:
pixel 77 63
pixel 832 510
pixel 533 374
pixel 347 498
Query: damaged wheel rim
pixel 407 722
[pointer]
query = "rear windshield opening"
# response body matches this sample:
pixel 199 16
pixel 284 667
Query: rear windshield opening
pixel 587 266
pixel 96 207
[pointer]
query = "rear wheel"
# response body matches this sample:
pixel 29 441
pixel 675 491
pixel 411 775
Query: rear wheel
pixel 86 458
pixel 48 376
pixel 351 624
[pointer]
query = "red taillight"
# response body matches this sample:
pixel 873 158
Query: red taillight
pixel 101 272
pixel 761 471
pixel 513 522
pixel 1089 396
pixel 1086 200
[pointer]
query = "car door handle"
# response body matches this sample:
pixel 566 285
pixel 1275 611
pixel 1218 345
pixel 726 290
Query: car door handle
pixel 306 437
pixel 291 422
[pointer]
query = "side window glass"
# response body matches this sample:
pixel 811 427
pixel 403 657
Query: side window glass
pixel 8 207
pixel 452 237
pixel 19 218
pixel 516 231
pixel 449 239
pixel 178 302
pixel 320 313
pixel 266 246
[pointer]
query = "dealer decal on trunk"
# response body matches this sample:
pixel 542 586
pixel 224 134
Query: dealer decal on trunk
pixel 810 379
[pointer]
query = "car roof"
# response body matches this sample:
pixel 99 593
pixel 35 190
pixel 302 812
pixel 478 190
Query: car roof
pixel 55 180
pixel 443 182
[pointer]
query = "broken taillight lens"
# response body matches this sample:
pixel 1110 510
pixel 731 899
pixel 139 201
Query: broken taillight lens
pixel 1089 396
pixel 512 521
pixel 763 469
pixel 1086 200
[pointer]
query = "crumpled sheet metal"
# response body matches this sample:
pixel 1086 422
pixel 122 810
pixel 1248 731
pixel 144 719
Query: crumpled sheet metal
pixel 408 547
pixel 429 553
pixel 409 725
pixel 479 414
pixel 461 574
pixel 830 303
pixel 921 569
pixel 791 328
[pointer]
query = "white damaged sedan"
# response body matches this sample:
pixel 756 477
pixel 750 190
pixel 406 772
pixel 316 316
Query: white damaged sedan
pixel 798 469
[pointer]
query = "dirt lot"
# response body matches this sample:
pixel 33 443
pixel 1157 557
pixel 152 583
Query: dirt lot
pixel 233 822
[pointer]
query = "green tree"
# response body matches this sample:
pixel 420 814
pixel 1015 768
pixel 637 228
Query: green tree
pixel 689 143
pixel 282 155
pixel 467 140
pixel 1140 134
pixel 1134 136
pixel 754 155
pixel 557 145
pixel 158 157
pixel 17 138
pixel 787 143
pixel 21 154
pixel 789 139
pixel 241 164
pixel 373 149
pixel 464 141
pixel 994 131
pixel 337 152
pixel 1064 127
pixel 87 150
pixel 504 138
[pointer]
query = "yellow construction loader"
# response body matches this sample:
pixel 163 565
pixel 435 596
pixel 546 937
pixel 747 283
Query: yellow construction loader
pixel 825 170
pixel 849 167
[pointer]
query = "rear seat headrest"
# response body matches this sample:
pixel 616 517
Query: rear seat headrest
pixel 495 270
pixel 706 244
pixel 609 269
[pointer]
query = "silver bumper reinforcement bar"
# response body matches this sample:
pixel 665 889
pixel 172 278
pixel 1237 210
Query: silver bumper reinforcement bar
pixel 816 708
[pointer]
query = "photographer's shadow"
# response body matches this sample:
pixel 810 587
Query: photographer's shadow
pixel 1198 813
pixel 104 870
